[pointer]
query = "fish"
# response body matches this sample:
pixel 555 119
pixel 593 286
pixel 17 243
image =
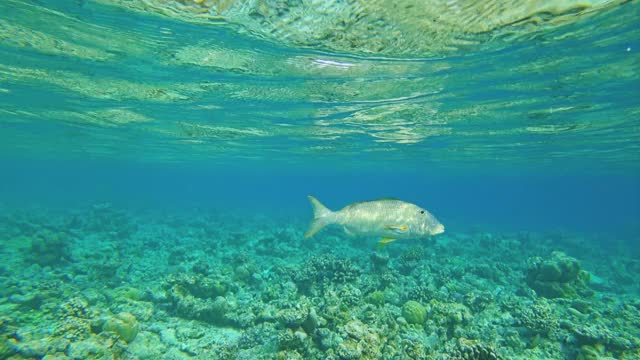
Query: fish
pixel 389 218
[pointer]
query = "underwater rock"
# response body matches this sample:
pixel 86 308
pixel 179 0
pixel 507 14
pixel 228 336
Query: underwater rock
pixel 105 219
pixel 6 347
pixel 56 356
pixel 415 349
pixel 292 317
pixel 168 337
pixel 597 334
pixel 588 352
pixel 92 296
pixel 207 310
pixel 124 325
pixel 264 334
pixel 244 272
pixel 294 340
pixel 86 350
pixel 49 248
pixel 299 314
pixel 600 284
pixel 311 322
pixel 177 256
pixel 95 347
pixel 559 276
pixel 31 300
pixel 197 297
pixel 414 312
pixel 379 262
pixel 130 293
pixel 360 338
pixel 37 348
pixel 356 329
pixel 449 314
pixel 349 349
pixel 393 296
pixel 201 267
pixel 104 269
pixel 328 339
pixel 241 319
pixel 582 306
pixel 148 346
pixel 478 301
pixel 198 285
pixel 485 271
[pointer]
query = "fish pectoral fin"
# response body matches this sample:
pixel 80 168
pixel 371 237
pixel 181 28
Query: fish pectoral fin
pixel 348 232
pixel 383 242
pixel 397 228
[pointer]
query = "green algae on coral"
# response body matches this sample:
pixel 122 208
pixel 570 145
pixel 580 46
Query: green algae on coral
pixel 124 325
pixel 414 312
pixel 376 298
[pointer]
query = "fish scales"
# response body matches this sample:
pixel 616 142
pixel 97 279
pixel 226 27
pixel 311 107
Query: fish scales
pixel 391 219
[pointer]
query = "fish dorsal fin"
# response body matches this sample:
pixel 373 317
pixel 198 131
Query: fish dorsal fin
pixel 370 201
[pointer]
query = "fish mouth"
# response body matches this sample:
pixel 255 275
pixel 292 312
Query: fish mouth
pixel 438 230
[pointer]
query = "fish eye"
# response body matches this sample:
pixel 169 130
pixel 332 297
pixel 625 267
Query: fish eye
pixel 421 211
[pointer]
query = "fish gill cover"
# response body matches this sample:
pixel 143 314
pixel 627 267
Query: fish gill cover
pixel 156 157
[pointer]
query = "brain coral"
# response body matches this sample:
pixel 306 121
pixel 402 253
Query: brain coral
pixel 414 312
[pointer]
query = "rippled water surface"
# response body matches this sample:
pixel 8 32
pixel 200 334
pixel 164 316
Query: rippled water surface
pixel 458 83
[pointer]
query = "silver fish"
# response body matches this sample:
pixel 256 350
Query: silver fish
pixel 391 219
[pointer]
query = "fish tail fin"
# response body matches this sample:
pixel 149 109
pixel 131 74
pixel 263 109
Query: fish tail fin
pixel 320 217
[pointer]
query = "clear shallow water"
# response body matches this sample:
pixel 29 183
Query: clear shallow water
pixel 112 82
pixel 158 148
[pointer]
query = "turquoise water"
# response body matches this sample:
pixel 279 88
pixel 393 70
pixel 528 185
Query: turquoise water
pixel 157 155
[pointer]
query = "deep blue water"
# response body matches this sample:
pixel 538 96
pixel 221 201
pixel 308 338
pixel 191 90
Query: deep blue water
pixel 603 203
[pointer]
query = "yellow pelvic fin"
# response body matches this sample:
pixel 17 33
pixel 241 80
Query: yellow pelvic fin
pixel 397 228
pixel 383 242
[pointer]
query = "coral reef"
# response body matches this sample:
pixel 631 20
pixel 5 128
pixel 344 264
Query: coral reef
pixel 50 248
pixel 184 303
pixel 558 276
pixel 192 286
pixel 76 319
pixel 537 318
pixel 414 312
pixel 105 219
pixel 324 270
pixel 473 350
pixel 124 325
